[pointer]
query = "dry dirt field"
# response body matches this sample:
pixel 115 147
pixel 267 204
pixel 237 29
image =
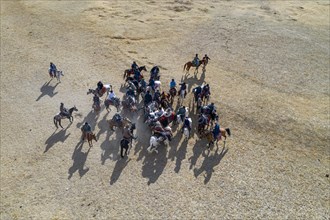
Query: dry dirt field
pixel 269 78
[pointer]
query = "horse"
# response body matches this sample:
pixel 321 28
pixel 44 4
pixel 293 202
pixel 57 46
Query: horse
pixel 172 93
pixel 125 143
pixel 58 117
pixel 113 123
pixel 56 75
pixel 178 117
pixel 156 140
pixel 129 72
pixel 182 95
pixel 115 102
pixel 96 106
pixel 186 131
pixel 209 136
pixel 130 104
pixel 90 137
pixel 106 89
pixel 190 64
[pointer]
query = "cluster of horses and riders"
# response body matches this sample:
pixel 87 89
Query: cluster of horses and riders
pixel 157 105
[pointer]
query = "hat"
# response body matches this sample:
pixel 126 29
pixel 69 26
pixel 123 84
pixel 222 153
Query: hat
pixel 86 123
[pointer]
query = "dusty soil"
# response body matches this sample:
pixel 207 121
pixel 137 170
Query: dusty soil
pixel 269 78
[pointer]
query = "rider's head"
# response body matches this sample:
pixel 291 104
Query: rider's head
pixel 206 55
pixel 212 103
pixel 172 79
pixel 111 91
pixel 51 63
pixel 196 55
pixel 62 103
pixel 86 123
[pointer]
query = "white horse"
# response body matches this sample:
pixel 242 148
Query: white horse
pixel 57 74
pixel 186 130
pixel 155 142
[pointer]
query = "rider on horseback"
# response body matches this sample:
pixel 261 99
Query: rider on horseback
pixel 172 84
pixel 96 100
pixel 182 112
pixel 206 58
pixel 99 87
pixel 52 69
pixel 157 96
pixel 86 128
pixel 134 66
pixel 154 72
pixel 206 90
pixel 64 111
pixel 197 90
pixel 186 124
pixel 196 60
pixel 183 87
pixel 147 98
pixel 111 95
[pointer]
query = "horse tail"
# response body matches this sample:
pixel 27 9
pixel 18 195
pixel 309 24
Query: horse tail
pixel 228 131
pixel 184 67
pixel 55 121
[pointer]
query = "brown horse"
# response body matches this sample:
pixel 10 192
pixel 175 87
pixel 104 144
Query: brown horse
pixel 90 138
pixel 112 123
pixel 129 72
pixel 172 94
pixel 210 138
pixel 189 64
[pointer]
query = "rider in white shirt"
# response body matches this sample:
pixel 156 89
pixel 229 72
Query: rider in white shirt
pixel 111 95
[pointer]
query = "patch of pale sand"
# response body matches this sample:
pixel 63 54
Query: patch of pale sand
pixel 263 174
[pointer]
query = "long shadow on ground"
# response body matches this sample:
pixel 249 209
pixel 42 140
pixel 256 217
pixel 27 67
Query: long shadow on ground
pixel 79 158
pixel 47 89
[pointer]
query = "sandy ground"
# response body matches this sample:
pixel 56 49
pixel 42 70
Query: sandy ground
pixel 269 76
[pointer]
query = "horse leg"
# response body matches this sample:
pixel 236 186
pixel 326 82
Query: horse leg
pixel 59 121
pixel 55 123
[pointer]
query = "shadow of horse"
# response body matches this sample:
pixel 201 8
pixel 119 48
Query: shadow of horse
pixel 154 164
pixel 47 89
pixel 210 161
pixel 79 159
pixel 56 137
pixel 118 169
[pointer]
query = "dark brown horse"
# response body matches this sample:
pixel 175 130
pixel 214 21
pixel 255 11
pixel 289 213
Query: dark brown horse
pixel 129 72
pixel 172 93
pixel 90 137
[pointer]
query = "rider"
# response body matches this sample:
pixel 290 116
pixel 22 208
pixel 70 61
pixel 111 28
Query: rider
pixel 197 90
pixel 196 60
pixel 143 84
pixel 111 95
pixel 127 133
pixel 64 111
pixel 86 128
pixel 117 118
pixel 216 131
pixel 52 69
pixel 160 112
pixel 164 96
pixel 172 84
pixel 137 75
pixel 183 87
pixel 182 112
pixel 206 58
pixel 206 90
pixel 211 107
pixel 96 100
pixel 134 66
pixel 157 96
pixel 152 83
pixel 130 92
pixel 147 98
pixel 99 87
pixel 154 72
pixel 186 124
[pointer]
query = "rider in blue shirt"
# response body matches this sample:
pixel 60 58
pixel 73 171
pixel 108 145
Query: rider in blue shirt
pixel 172 84
pixel 52 68
pixel 196 60
pixel 86 128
